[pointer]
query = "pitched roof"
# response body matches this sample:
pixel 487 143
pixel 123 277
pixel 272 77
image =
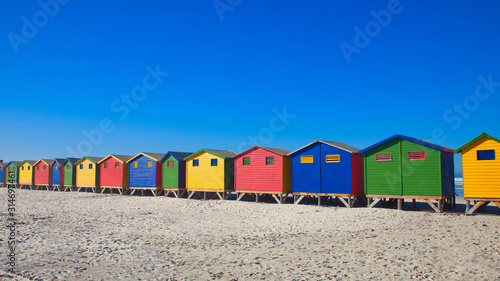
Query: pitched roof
pixel 221 153
pixel 155 156
pixel 47 161
pixel 121 158
pixel 339 145
pixel 58 160
pixel 71 160
pixel 482 135
pixel 16 163
pixel 31 162
pixel 276 150
pixel 414 140
pixel 94 160
pixel 177 155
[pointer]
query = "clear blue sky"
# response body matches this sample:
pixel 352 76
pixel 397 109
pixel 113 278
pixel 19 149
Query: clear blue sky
pixel 69 65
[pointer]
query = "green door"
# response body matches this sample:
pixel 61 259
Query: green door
pixel 383 169
pixel 170 169
pixel 68 175
pixel 421 169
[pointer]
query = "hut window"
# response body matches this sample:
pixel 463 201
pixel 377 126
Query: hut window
pixel 135 164
pixel 29 168
pixel 81 166
pixel 213 162
pixel 485 155
pixel 246 161
pixel 1 168
pixel 67 167
pixel 270 160
pixel 383 157
pixel 105 165
pixel 45 167
pixel 307 159
pixel 22 168
pixel 117 165
pixel 170 163
pixel 56 167
pixel 149 164
pixel 37 168
pixel 412 156
pixel 196 163
pixel 90 166
pixel 335 158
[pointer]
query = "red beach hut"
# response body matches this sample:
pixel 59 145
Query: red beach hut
pixel 263 171
pixel 42 173
pixel 114 173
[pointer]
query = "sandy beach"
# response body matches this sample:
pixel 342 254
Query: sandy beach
pixel 85 236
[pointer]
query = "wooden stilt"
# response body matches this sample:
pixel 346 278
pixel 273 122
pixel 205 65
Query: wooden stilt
pixel 478 205
pixel 319 200
pixel 343 201
pixel 299 198
pixel 375 201
pixel 400 204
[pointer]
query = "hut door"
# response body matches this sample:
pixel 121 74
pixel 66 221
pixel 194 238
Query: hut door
pixel 421 169
pixel 56 172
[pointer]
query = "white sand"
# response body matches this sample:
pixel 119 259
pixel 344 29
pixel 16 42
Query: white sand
pixel 83 236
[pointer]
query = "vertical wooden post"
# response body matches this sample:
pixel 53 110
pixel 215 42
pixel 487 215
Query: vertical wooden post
pixel 414 202
pixel 400 204
pixel 319 200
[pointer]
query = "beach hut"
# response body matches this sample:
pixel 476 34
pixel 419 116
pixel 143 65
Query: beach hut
pixel 402 167
pixel 145 172
pixel 210 171
pixel 11 173
pixel 327 169
pixel 262 171
pixel 41 173
pixel 87 173
pixel 2 172
pixel 481 171
pixel 56 178
pixel 174 173
pixel 69 173
pixel 113 173
pixel 26 173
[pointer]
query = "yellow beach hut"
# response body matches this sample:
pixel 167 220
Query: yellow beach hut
pixel 481 171
pixel 26 173
pixel 87 173
pixel 210 171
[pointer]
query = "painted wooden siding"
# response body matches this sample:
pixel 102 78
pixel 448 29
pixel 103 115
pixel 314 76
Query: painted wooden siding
pixel 69 175
pixel 335 176
pixel 447 174
pixel 86 176
pixel 306 177
pixel 173 177
pixel 383 178
pixel 11 175
pixel 357 174
pixel 56 174
pixel 111 176
pixel 287 174
pixel 481 177
pixel 205 176
pixel 143 176
pixel 258 176
pixel 41 174
pixel 421 177
pixel 2 174
pixel 26 174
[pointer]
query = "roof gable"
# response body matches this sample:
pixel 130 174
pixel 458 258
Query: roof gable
pixel 15 163
pixel 154 156
pixel 94 160
pixel 275 150
pixel 220 153
pixel 46 161
pixel 179 156
pixel 121 158
pixel 414 140
pixel 339 145
pixel 72 161
pixel 482 135
pixel 59 161
pixel 29 162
